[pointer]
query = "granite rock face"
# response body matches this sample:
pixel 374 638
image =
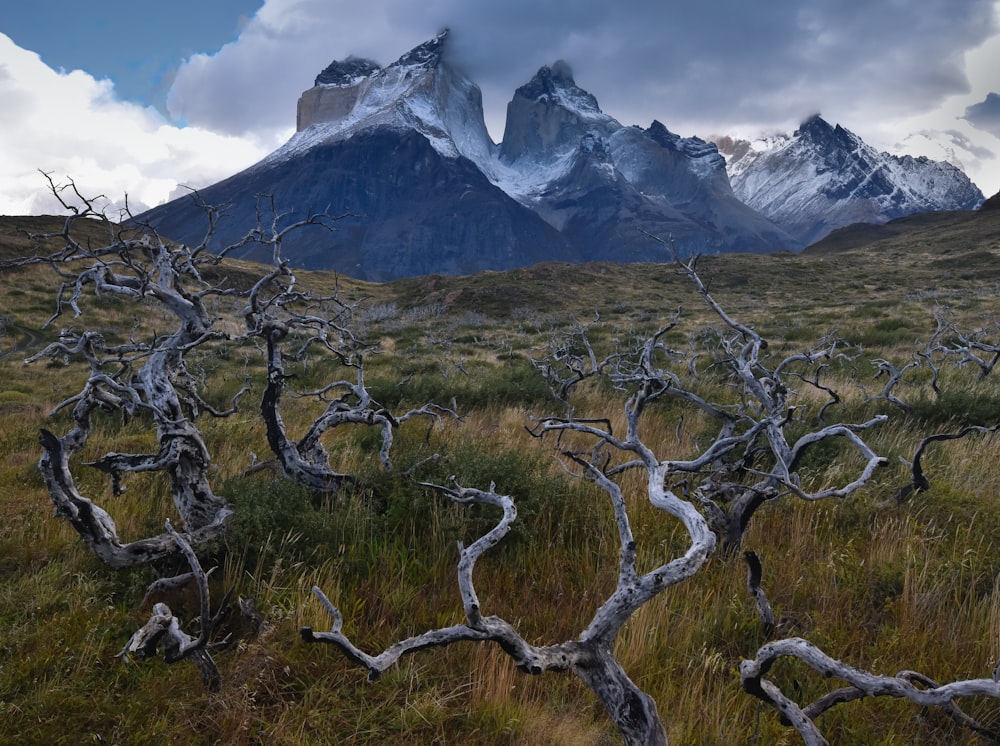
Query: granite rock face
pixel 403 153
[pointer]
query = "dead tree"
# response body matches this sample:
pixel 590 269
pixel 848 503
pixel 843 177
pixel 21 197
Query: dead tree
pixel 910 685
pixel 754 456
pixel 164 629
pixel 295 327
pixel 591 448
pixel 947 345
pixel 133 379
pixel 143 377
pixel 977 348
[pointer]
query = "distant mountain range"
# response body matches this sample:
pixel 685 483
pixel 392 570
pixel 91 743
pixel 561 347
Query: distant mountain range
pixel 824 177
pixel 404 152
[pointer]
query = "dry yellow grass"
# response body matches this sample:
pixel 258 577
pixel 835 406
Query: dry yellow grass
pixel 886 586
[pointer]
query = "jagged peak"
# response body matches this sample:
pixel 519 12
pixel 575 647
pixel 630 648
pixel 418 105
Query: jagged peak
pixel 427 54
pixel 817 130
pixel 553 83
pixel 347 72
pixel 661 134
pixel 814 124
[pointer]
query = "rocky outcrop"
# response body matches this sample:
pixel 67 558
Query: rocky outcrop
pixel 609 188
pixel 403 151
pixel 824 177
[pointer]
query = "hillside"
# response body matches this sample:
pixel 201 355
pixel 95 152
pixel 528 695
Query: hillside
pixel 930 231
pixel 883 584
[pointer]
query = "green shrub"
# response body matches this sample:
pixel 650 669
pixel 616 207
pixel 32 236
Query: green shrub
pixel 958 406
pixel 268 512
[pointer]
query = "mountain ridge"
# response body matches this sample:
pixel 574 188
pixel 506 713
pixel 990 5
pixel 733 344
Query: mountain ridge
pixel 403 152
pixel 823 177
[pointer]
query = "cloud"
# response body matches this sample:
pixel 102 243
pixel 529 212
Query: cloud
pixel 986 114
pixel 963 143
pixel 692 64
pixel 71 125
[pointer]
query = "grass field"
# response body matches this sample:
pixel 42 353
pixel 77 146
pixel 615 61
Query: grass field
pixel 881 584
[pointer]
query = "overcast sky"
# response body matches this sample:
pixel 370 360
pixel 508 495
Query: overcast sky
pixel 188 92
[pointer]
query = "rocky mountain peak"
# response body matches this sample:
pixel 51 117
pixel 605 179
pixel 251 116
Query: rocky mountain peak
pixel 555 85
pixel 819 132
pixel 661 135
pixel 405 151
pixel 824 177
pixel 815 126
pixel 548 115
pixel 426 55
pixel 347 72
pixel 420 91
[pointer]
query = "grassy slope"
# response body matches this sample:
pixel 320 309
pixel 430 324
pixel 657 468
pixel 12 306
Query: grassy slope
pixel 886 586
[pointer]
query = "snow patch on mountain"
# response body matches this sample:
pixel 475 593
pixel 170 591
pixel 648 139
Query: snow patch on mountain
pixel 823 177
pixel 416 92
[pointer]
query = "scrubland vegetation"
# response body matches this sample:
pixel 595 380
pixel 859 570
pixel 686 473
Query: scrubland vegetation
pixel 883 584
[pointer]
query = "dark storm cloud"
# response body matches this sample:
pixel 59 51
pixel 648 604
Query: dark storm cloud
pixel 725 62
pixel 986 114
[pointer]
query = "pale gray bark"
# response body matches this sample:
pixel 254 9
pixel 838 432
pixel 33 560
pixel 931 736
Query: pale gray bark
pixel 137 378
pixel 146 377
pixel 589 657
pixel 903 686
pixel 294 325
pixel 165 630
pixel 755 426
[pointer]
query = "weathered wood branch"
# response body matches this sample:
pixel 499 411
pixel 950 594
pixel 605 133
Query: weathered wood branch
pixel 163 630
pixel 138 378
pixel 764 610
pixel 589 657
pixel 903 685
pixel 279 314
pixel 918 480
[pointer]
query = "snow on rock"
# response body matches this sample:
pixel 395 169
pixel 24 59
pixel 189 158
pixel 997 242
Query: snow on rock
pixel 416 92
pixel 824 177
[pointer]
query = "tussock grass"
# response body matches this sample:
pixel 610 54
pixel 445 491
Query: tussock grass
pixel 884 585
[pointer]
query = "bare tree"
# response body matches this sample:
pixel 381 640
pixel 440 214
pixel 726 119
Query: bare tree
pixel 752 435
pixel 135 378
pixel 977 348
pixel 910 685
pixel 297 327
pixel 148 377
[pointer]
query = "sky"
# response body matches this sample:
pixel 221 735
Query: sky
pixel 144 101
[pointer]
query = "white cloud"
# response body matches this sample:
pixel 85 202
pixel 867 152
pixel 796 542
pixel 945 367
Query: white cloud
pixel 699 68
pixel 883 70
pixel 252 84
pixel 70 125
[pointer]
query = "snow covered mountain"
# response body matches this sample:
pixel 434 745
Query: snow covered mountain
pixel 824 177
pixel 403 151
pixel 607 187
pixel 395 149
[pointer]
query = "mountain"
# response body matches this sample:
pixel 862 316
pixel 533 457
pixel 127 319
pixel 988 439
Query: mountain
pixel 608 187
pixel 824 177
pixel 404 151
pixel 394 149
